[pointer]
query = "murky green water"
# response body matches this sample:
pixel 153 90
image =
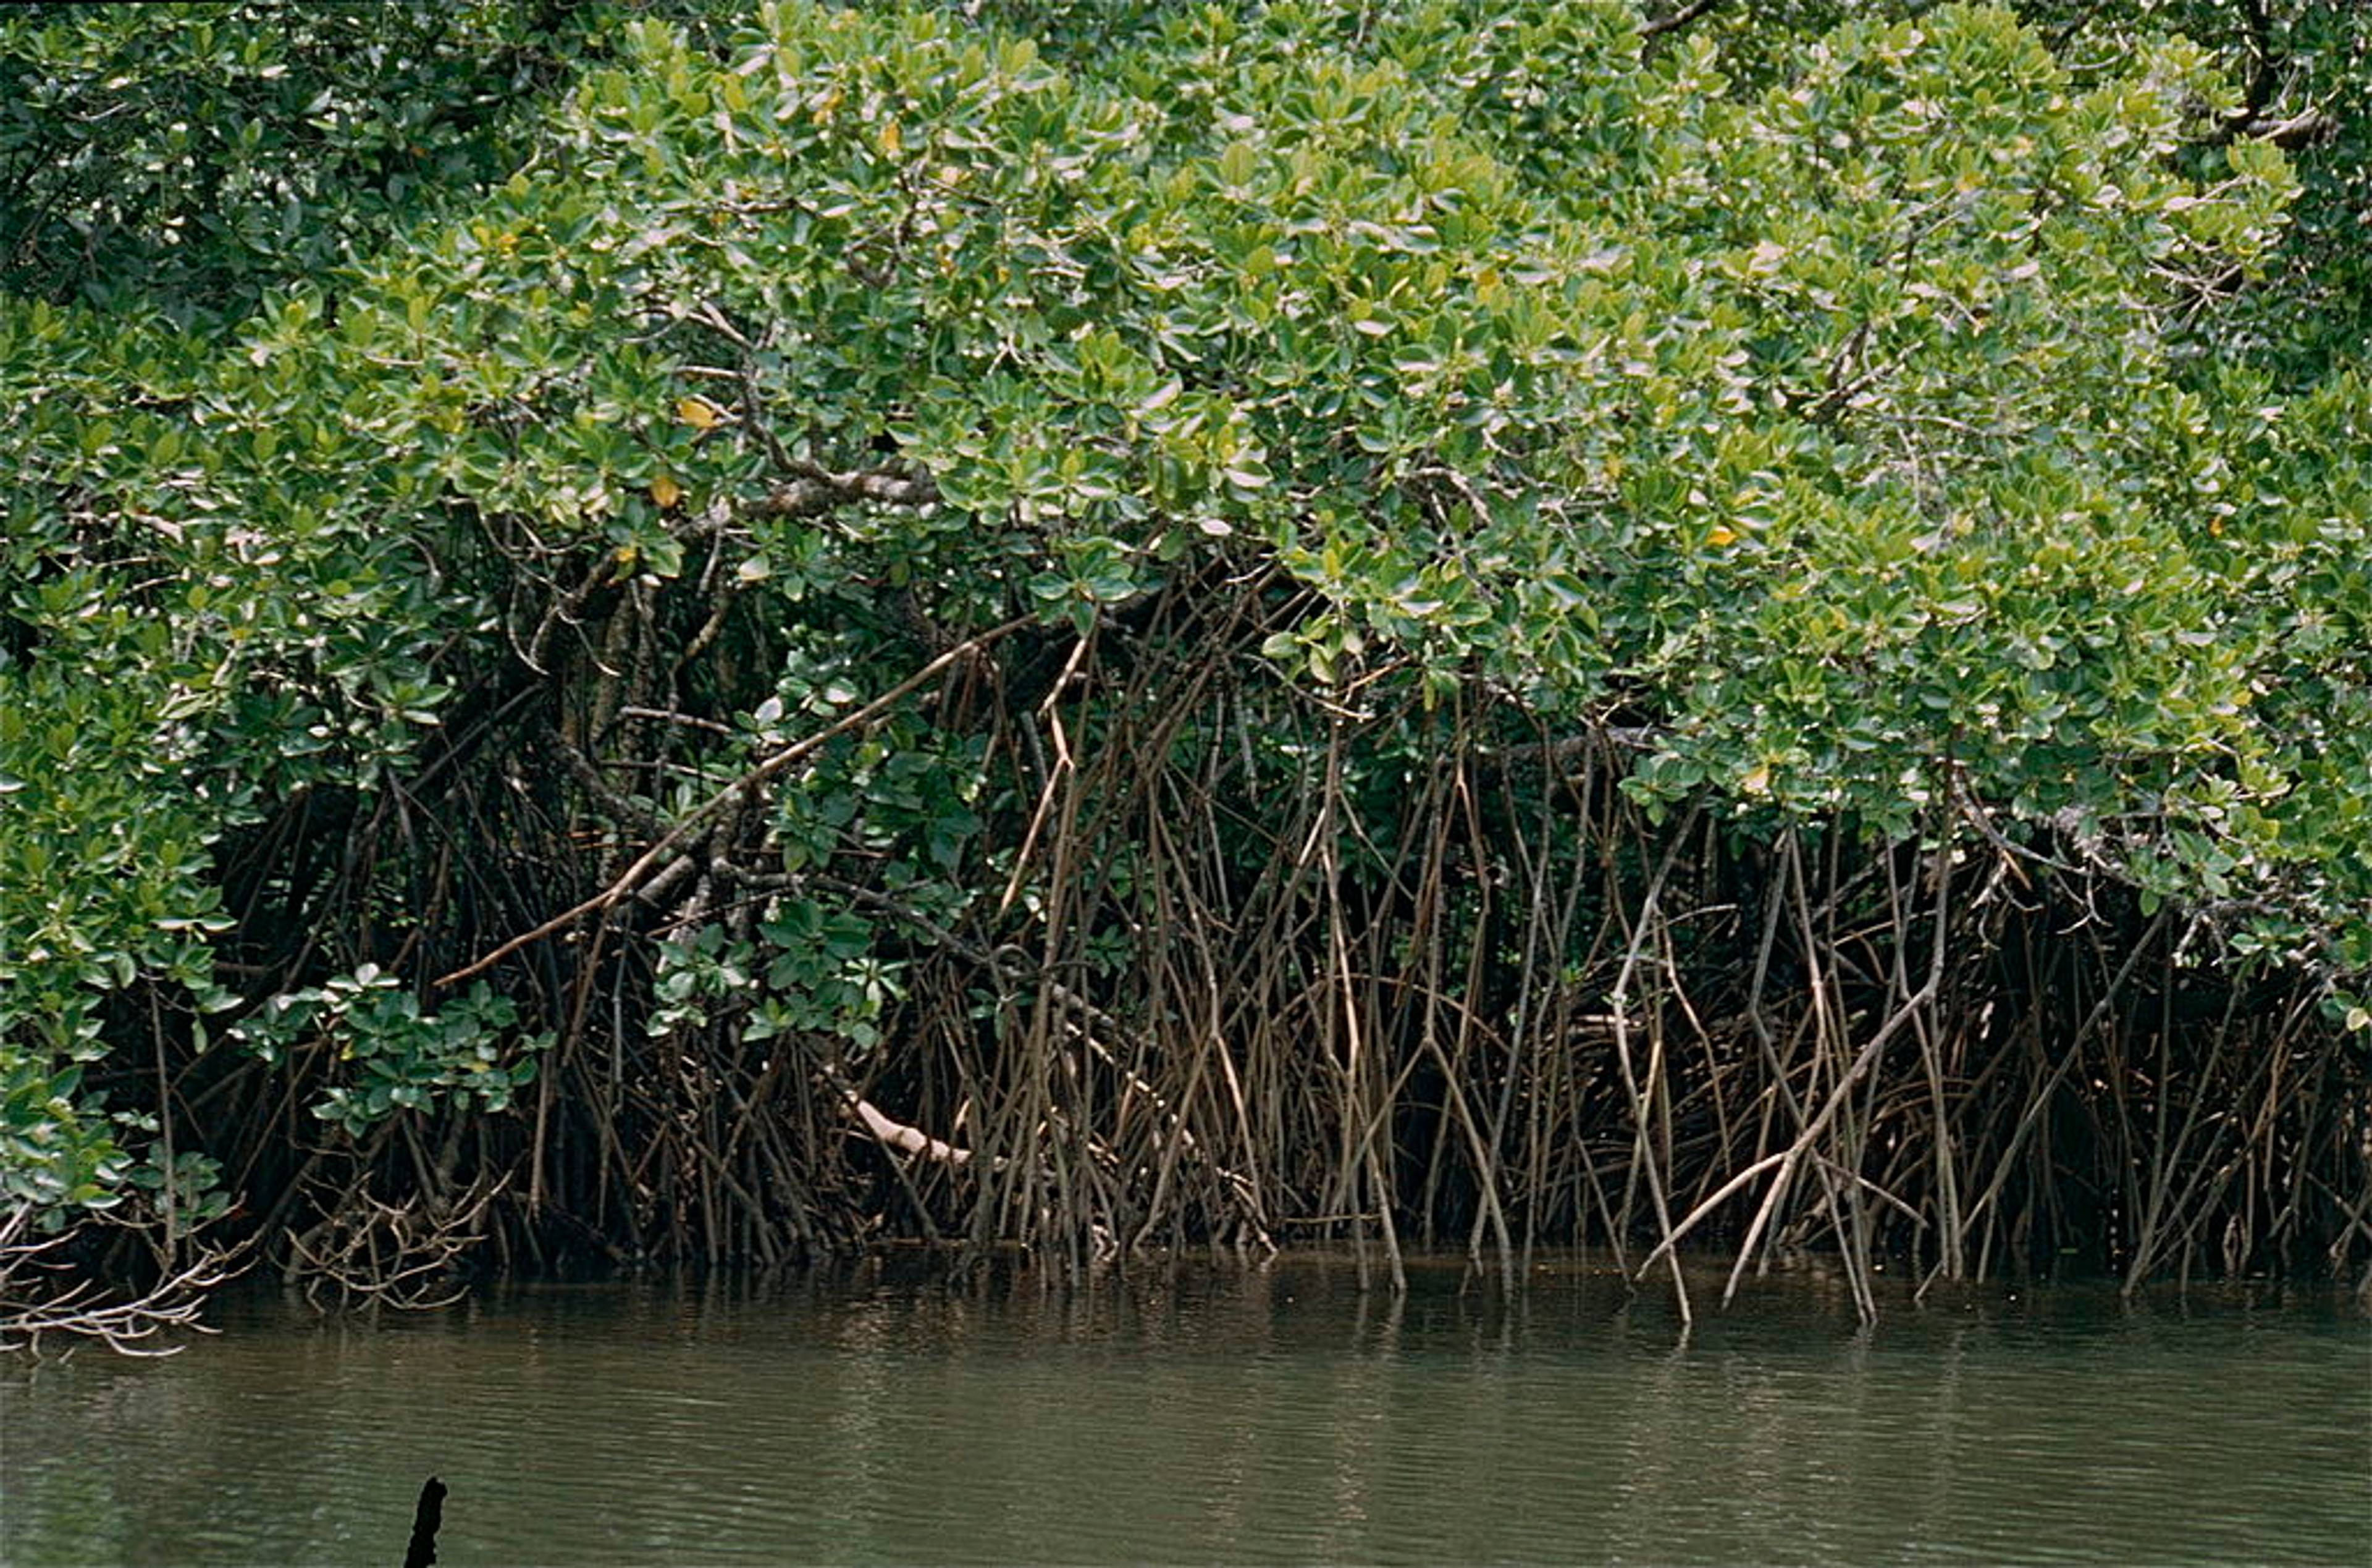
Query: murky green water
pixel 1272 1417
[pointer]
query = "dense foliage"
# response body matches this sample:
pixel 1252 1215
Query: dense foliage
pixel 631 633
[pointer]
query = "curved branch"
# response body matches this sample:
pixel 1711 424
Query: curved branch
pixel 38 1295
pixel 1656 26
pixel 898 1135
pixel 653 857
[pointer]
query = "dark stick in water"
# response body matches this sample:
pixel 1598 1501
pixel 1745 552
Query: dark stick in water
pixel 425 1522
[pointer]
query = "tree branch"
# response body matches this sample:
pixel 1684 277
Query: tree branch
pixel 818 489
pixel 1656 26
pixel 659 853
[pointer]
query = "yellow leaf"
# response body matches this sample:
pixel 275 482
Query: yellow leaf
pixel 1722 535
pixel 1757 780
pixel 666 492
pixel 890 140
pixel 699 412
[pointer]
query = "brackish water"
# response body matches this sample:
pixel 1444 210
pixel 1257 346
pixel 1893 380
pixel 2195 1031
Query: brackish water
pixel 1194 1416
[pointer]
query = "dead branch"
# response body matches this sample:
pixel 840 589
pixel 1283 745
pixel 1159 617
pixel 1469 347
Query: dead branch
pixel 39 1294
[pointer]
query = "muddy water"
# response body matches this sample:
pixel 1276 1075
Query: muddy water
pixel 1195 1416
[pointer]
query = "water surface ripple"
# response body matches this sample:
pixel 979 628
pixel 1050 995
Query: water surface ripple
pixel 1199 1416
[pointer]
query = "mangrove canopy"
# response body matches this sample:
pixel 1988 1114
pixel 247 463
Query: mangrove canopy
pixel 647 634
